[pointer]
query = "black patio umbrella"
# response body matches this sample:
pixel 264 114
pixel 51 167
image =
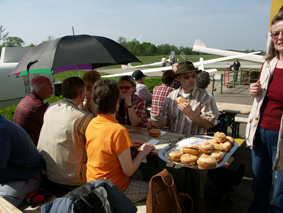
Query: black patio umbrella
pixel 70 51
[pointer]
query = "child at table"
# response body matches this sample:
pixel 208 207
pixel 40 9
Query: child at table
pixel 108 145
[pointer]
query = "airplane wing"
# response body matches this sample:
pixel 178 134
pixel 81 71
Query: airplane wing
pixel 196 64
pixel 199 46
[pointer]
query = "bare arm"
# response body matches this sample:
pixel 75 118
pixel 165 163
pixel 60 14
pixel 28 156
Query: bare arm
pixel 135 120
pixel 130 166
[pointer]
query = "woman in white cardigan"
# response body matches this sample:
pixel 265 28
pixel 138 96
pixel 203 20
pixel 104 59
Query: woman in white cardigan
pixel 264 129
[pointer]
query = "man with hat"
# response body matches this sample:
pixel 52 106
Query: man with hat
pixel 141 89
pixel 188 118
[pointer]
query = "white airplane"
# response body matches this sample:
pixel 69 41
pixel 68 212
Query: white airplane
pixel 200 65
pixel 199 46
pixel 172 55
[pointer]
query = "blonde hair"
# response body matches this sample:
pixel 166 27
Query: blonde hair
pixel 272 52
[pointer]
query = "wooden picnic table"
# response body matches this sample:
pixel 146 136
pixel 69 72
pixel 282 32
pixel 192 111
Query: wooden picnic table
pixel 141 134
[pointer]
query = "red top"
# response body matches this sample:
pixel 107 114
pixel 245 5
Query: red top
pixel 272 107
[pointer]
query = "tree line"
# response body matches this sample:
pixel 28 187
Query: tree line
pixel 134 46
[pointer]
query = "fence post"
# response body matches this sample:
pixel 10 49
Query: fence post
pixel 221 86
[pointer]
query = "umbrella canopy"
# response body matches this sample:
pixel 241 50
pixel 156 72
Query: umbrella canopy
pixel 72 51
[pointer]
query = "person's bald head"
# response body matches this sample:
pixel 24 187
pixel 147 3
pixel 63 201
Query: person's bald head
pixel 41 86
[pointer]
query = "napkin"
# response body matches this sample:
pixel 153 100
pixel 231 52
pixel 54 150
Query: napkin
pixel 153 141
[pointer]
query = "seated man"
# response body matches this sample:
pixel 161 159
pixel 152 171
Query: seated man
pixel 29 112
pixel 141 89
pixel 108 145
pixel 20 163
pixel 189 118
pixel 62 137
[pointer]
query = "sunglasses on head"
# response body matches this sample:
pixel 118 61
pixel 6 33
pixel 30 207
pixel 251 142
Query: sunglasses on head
pixel 125 87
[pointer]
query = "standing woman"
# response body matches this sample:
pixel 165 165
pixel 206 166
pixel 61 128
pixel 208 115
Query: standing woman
pixel 132 108
pixel 265 127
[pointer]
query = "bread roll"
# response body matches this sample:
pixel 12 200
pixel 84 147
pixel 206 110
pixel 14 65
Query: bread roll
pixel 230 139
pixel 175 155
pixel 181 100
pixel 206 147
pixel 218 155
pixel 154 132
pixel 189 159
pixel 191 149
pixel 227 146
pixel 206 162
pixel 220 137
pixel 217 146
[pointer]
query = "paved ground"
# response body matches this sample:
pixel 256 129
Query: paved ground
pixel 242 196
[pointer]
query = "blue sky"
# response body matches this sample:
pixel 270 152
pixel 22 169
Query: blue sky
pixel 224 24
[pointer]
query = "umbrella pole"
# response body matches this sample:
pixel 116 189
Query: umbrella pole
pixel 78 71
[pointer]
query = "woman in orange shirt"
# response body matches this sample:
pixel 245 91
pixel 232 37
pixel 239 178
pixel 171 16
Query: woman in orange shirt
pixel 108 145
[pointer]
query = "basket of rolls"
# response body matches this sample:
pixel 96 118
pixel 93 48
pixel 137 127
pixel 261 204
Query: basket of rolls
pixel 200 152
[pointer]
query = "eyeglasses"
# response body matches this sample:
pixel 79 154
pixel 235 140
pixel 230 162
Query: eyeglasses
pixel 125 87
pixel 276 35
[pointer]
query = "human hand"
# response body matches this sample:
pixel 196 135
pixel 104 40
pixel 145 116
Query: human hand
pixel 146 148
pixel 127 98
pixel 255 88
pixel 137 143
pixel 151 124
pixel 185 108
pixel 88 95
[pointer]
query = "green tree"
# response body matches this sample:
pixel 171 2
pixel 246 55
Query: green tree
pixel 13 42
pixel 122 41
pixel 132 46
pixel 2 34
pixel 147 49
pixel 31 45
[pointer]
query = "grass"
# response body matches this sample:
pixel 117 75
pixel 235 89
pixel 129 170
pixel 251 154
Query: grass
pixel 149 82
pixel 145 59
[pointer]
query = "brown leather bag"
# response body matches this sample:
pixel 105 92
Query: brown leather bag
pixel 163 195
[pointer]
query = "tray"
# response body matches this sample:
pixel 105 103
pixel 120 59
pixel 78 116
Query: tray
pixel 163 153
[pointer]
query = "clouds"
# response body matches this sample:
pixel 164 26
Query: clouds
pixel 224 24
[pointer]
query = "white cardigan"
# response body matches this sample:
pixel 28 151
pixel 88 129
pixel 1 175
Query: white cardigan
pixel 254 116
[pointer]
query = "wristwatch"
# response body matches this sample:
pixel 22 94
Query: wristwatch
pixel 130 107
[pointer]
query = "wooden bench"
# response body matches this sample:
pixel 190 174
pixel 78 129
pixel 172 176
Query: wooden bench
pixel 238 121
pixel 6 206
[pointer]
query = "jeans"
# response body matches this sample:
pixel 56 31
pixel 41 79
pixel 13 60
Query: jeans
pixel 263 156
pixel 235 76
pixel 16 191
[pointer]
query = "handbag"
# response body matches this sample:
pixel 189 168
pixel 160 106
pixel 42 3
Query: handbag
pixel 86 199
pixel 163 195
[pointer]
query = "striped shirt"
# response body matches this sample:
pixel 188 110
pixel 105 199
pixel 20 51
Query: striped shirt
pixel 179 123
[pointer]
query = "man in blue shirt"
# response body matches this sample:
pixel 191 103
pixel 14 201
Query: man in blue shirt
pixel 20 163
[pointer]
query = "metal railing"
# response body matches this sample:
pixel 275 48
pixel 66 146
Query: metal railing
pixel 245 77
